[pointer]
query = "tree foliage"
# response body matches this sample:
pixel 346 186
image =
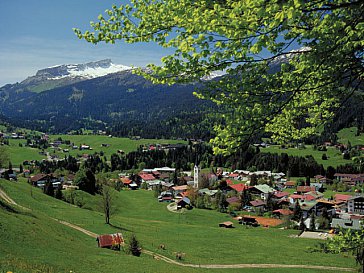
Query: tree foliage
pixel 134 246
pixel 107 204
pixel 347 241
pixel 289 64
pixel 85 180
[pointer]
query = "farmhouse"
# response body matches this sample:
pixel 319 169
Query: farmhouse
pixel 184 202
pixel 352 179
pixel 261 190
pixel 258 205
pixel 282 212
pixel 39 180
pixel 112 241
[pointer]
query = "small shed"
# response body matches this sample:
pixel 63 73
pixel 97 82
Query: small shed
pixel 248 220
pixel 185 201
pixel 112 241
pixel 227 224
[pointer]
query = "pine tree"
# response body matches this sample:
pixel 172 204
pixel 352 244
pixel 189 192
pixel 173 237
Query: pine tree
pixel 312 221
pixel 134 246
pixel 297 211
pixel 59 194
pixel 48 188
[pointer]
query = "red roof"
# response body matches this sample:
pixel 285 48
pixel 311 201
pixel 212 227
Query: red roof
pixel 239 187
pixel 309 197
pixel 233 175
pixel 180 188
pixel 296 196
pixel 147 176
pixel 109 240
pixel 229 182
pixel 280 194
pixel 40 176
pixel 342 197
pixel 305 188
pixel 126 180
pixel 283 211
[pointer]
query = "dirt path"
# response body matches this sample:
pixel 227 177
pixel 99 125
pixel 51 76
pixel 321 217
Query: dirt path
pixel 221 266
pixel 157 256
pixel 10 201
pixel 87 232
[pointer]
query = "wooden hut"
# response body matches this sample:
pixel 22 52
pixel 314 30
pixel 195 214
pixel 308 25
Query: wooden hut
pixel 112 241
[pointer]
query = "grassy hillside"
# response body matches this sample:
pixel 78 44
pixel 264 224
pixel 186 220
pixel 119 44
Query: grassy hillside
pixel 32 241
pixel 334 155
pixel 350 135
pixel 19 154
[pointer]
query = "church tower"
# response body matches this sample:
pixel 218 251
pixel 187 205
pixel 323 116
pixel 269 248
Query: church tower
pixel 195 176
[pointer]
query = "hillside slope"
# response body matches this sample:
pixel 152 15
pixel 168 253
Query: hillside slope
pixel 32 241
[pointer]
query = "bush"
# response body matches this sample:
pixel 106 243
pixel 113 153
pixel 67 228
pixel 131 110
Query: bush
pixel 134 247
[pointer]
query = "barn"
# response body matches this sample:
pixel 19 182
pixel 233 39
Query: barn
pixel 112 241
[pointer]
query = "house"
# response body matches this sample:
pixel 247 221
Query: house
pixel 261 190
pixel 248 220
pixel 313 195
pixel 305 189
pixel 258 205
pixel 294 197
pixel 342 198
pixel 280 195
pixel 227 224
pixel 204 191
pixel 323 204
pixel 239 187
pixel 234 176
pixel 179 189
pixel 353 224
pixel 282 212
pixel 307 208
pixel 145 177
pixel 184 202
pixel 129 183
pixel 356 205
pixel 233 199
pixel 9 174
pixel 290 184
pixel 322 179
pixel 39 180
pixel 166 196
pixel 352 179
pixel 318 187
pixel 112 241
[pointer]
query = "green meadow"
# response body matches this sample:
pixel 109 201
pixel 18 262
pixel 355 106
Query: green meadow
pixel 334 156
pixel 347 135
pixel 32 241
pixel 19 154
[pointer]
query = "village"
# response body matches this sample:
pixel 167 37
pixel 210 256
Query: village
pixel 251 198
pixel 314 205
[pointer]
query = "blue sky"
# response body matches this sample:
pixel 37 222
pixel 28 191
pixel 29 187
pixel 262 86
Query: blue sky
pixel 36 34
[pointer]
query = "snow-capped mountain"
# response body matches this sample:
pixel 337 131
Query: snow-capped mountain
pixel 87 71
pixel 61 75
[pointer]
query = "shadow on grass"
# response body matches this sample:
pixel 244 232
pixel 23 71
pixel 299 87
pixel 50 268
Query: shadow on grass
pixel 120 228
